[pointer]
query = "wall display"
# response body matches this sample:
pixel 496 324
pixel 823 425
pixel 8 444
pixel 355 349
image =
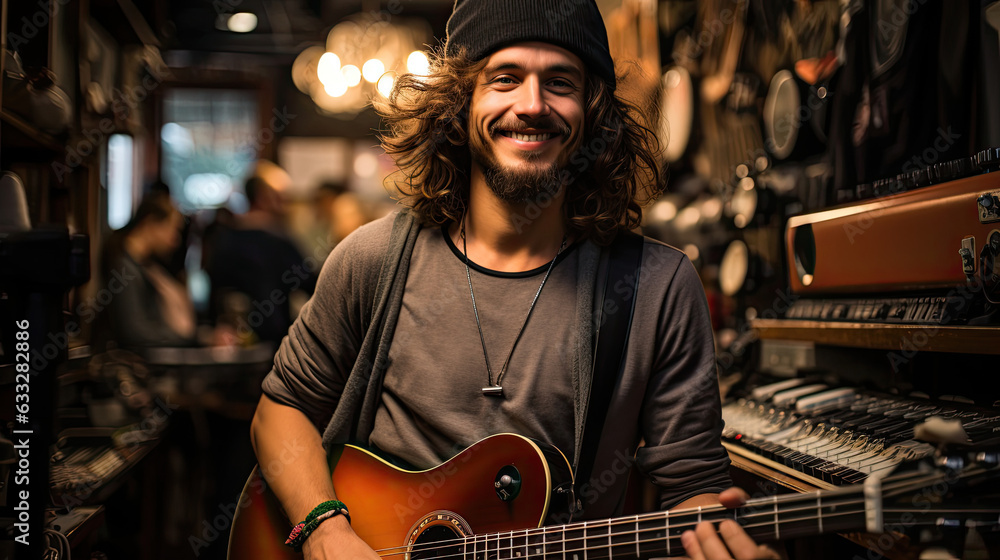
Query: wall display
pixel 13 204
pixel 98 68
pixel 677 112
pixel 795 116
pixel 39 100
pixel 143 71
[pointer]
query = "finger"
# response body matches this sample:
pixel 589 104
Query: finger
pixel 742 546
pixel 738 541
pixel 710 543
pixel 691 546
pixel 733 497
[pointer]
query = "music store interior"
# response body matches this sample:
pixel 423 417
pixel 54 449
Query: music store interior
pixel 831 172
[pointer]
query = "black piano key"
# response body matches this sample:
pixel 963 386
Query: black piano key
pixel 854 477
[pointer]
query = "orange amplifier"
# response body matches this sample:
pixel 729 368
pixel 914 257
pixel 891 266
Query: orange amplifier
pixel 931 238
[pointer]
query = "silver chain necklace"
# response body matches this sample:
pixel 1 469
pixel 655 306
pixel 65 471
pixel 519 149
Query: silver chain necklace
pixel 496 390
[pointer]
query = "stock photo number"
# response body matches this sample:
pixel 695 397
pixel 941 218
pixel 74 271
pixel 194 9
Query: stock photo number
pixel 22 348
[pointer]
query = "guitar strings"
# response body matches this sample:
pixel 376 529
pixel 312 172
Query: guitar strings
pixel 527 547
pixel 431 547
pixel 639 542
pixel 899 484
pixel 656 516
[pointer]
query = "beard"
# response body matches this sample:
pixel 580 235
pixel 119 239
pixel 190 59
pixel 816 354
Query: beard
pixel 522 183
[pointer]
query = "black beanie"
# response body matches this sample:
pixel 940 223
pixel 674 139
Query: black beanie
pixel 485 26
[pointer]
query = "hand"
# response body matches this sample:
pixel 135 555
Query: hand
pixel 704 543
pixel 335 539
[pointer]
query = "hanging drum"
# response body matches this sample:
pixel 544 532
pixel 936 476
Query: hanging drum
pixel 795 117
pixel 677 107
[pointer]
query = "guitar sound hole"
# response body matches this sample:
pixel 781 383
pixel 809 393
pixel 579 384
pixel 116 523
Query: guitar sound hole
pixel 437 543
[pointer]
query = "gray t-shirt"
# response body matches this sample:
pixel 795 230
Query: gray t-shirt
pixel 432 405
pixel 667 396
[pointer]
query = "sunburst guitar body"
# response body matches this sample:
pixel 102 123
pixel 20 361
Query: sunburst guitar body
pixel 397 511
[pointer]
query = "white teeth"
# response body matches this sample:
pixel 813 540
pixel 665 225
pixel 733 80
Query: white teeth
pixel 529 137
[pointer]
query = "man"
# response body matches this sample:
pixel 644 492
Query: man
pixel 519 164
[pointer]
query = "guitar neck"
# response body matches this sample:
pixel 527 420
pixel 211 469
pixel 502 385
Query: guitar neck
pixel 640 536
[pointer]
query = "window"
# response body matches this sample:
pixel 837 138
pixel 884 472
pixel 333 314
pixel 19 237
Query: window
pixel 121 160
pixel 209 145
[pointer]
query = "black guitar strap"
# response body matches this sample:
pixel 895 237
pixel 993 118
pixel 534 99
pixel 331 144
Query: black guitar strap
pixel 613 319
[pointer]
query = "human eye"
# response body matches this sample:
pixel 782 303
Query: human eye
pixel 562 84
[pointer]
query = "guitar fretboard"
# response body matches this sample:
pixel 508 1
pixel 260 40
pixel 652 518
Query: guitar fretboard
pixel 659 534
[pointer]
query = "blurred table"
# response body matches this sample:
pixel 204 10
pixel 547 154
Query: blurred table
pixel 213 393
pixel 221 379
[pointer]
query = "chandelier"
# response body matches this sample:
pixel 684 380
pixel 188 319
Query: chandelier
pixel 362 57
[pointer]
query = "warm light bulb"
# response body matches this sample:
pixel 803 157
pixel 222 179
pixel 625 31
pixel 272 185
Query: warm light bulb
pixel 373 69
pixel 417 63
pixel 352 74
pixel 337 87
pixel 328 68
pixel 385 84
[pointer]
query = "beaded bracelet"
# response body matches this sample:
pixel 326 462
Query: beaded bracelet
pixel 319 514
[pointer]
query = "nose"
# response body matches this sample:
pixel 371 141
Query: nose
pixel 531 101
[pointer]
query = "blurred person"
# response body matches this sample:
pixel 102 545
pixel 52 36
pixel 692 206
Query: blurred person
pixel 348 214
pixel 222 220
pixel 339 211
pixel 173 261
pixel 254 267
pixel 150 308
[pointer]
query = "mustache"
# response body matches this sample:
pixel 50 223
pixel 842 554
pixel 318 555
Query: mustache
pixel 521 126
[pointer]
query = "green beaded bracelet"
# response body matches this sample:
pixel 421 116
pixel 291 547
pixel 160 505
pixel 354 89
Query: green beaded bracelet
pixel 318 515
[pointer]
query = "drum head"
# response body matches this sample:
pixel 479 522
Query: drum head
pixel 676 112
pixel 734 268
pixel 781 114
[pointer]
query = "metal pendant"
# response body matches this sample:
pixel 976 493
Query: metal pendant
pixel 493 391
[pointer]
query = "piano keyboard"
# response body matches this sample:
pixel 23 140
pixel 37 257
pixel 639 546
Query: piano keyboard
pixel 842 435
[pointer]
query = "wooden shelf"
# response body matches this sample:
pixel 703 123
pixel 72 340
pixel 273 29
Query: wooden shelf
pixel 905 338
pixel 23 134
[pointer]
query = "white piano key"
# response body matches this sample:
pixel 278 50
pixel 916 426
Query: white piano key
pixel 812 402
pixel 765 392
pixel 787 398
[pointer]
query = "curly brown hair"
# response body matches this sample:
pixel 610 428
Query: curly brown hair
pixel 615 170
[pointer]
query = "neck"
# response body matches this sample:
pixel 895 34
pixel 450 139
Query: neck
pixel 510 236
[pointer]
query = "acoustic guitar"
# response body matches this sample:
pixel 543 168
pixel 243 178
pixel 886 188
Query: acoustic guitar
pixel 493 500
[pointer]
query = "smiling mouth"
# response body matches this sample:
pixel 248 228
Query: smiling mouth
pixel 539 137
